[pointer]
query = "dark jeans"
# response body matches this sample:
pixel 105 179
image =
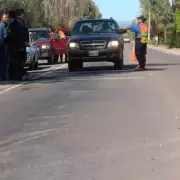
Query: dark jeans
pixel 3 60
pixel 140 51
pixel 17 60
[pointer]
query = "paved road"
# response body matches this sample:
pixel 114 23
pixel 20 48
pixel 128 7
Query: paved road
pixel 98 124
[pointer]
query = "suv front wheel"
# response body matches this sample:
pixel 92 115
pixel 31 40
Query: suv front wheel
pixel 74 65
pixel 119 61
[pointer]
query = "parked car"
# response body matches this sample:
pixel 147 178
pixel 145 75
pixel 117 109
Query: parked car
pixel 32 57
pixel 41 36
pixel 95 40
pixel 126 39
pixel 50 44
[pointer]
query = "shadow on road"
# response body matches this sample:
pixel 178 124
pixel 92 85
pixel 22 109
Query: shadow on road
pixel 96 71
pixel 163 64
pixel 63 74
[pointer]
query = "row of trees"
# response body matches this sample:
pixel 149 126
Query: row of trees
pixel 53 13
pixel 167 18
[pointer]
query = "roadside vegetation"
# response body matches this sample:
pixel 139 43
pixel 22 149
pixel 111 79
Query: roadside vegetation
pixel 53 13
pixel 167 20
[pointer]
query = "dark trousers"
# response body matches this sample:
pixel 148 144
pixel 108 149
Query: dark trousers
pixel 3 60
pixel 140 51
pixel 16 69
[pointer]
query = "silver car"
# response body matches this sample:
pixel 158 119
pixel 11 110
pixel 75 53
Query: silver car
pixel 32 56
pixel 126 39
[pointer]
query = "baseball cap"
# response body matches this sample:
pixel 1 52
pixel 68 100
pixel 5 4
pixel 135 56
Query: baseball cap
pixel 142 18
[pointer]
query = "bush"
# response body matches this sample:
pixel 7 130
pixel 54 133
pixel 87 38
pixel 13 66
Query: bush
pixel 171 38
pixel 152 42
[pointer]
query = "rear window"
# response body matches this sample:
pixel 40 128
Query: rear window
pixel 39 35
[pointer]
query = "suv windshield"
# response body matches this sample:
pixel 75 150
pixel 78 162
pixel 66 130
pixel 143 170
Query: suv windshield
pixel 94 27
pixel 39 35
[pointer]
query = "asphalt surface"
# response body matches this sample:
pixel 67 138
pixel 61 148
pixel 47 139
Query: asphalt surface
pixel 98 124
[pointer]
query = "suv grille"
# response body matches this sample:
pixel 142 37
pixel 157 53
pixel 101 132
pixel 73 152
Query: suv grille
pixel 93 44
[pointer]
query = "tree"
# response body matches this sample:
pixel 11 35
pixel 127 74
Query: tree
pixel 161 13
pixel 52 13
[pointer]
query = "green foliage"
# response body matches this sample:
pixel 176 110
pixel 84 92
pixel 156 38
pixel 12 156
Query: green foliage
pixel 152 42
pixel 163 14
pixel 53 13
pixel 177 20
pixel 91 10
pixel 171 37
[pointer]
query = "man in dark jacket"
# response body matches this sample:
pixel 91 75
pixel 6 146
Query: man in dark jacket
pixel 15 67
pixel 18 40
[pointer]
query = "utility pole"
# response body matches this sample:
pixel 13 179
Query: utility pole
pixel 149 21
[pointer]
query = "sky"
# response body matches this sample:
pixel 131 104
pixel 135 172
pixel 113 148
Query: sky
pixel 120 10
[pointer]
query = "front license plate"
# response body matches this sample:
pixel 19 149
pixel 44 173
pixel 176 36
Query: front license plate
pixel 44 54
pixel 93 53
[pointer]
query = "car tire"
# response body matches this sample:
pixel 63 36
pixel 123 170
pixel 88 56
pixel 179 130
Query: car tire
pixel 32 65
pixel 56 58
pixel 119 61
pixel 36 65
pixel 79 64
pixel 50 60
pixel 72 66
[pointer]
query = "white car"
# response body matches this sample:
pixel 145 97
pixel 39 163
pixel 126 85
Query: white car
pixel 32 56
pixel 127 39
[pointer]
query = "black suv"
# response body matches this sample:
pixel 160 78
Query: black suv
pixel 95 40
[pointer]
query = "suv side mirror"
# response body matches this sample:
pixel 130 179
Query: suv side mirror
pixel 122 31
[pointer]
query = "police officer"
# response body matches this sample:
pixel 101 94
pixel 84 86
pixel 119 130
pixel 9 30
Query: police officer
pixel 141 31
pixel 23 40
pixel 13 47
pixel 4 18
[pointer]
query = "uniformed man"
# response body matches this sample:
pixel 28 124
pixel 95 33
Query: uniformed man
pixel 23 40
pixel 141 31
pixel 4 18
pixel 13 47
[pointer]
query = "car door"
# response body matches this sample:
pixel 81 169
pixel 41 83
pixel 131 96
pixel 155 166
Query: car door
pixel 59 44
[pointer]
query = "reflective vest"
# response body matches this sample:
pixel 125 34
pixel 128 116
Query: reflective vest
pixel 144 33
pixel 61 34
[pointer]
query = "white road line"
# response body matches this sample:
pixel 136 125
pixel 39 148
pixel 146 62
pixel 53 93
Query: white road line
pixel 116 78
pixel 41 75
pixel 50 70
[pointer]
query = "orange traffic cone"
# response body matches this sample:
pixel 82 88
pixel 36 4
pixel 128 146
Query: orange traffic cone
pixel 133 56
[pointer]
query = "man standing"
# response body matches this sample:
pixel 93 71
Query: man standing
pixel 141 31
pixel 13 47
pixel 23 39
pixel 3 48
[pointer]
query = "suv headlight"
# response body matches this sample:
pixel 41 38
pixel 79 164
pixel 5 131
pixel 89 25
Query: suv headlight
pixel 45 46
pixel 73 45
pixel 28 57
pixel 113 44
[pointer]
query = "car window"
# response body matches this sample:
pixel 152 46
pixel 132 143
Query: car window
pixel 95 27
pixel 40 35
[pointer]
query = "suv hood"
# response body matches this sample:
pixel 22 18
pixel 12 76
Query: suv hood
pixel 85 37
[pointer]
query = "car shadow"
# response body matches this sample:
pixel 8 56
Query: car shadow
pixel 95 71
pixel 163 64
pixel 59 75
